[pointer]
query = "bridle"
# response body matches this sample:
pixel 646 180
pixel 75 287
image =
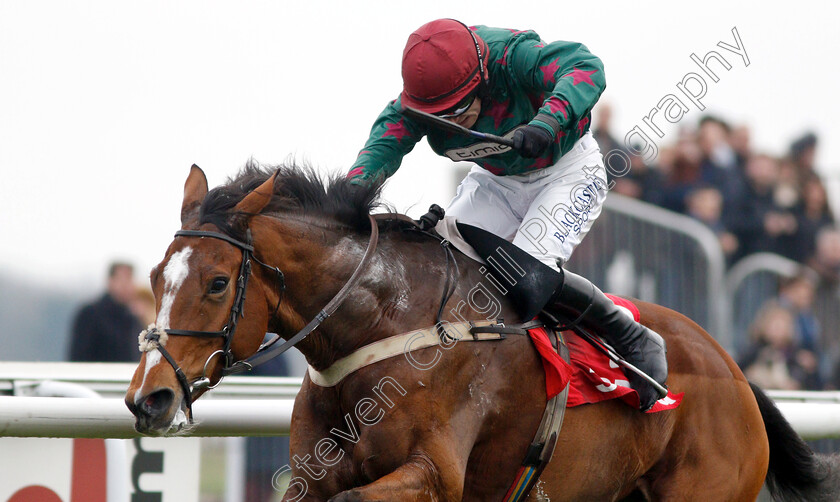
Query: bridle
pixel 268 350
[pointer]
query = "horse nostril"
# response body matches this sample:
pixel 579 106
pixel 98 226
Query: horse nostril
pixel 157 403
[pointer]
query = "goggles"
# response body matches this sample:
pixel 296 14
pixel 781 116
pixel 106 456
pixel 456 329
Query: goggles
pixel 458 109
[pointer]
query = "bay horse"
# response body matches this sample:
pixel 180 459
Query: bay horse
pixel 455 431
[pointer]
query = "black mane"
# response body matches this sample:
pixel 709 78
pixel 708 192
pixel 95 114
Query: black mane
pixel 297 189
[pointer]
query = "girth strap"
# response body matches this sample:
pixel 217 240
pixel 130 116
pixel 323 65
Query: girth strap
pixel 542 447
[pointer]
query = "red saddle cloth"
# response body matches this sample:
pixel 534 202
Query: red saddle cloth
pixel 594 376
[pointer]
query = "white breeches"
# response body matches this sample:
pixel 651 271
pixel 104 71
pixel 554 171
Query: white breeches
pixel 545 212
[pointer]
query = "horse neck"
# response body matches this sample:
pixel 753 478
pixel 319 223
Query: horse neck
pixel 400 290
pixel 317 258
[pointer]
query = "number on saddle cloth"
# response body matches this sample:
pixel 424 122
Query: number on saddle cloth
pixel 529 282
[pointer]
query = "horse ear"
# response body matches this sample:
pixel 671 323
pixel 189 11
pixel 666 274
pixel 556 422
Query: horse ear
pixel 195 189
pixel 255 201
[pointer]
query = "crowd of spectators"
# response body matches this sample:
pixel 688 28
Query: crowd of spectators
pixel 755 202
pixel 785 349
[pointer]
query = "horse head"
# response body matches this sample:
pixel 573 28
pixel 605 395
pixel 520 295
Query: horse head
pixel 202 287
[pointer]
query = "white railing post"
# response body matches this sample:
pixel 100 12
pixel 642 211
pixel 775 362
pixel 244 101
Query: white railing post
pixel 235 469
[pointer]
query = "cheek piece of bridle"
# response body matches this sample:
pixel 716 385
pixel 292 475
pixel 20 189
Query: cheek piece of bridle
pixel 268 350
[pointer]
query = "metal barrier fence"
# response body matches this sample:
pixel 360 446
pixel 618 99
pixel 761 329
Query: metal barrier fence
pixel 641 250
pixel 750 283
pixel 755 280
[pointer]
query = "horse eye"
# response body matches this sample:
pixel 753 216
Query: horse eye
pixel 218 285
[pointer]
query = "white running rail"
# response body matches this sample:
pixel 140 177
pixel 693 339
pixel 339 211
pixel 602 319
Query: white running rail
pixel 241 406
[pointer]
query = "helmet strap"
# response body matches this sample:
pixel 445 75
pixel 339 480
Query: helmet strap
pixel 478 52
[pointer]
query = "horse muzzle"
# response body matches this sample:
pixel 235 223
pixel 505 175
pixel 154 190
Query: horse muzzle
pixel 158 413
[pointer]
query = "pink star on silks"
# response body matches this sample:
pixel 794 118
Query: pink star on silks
pixel 499 112
pixel 363 152
pixel 582 124
pixel 556 104
pixel 559 135
pixel 542 162
pixel 493 169
pixel 397 130
pixel 579 76
pixel 539 45
pixel 503 61
pixel 549 70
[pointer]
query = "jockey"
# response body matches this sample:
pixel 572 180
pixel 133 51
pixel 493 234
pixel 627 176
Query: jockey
pixel 545 192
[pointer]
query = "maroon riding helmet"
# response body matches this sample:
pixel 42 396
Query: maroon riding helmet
pixel 443 64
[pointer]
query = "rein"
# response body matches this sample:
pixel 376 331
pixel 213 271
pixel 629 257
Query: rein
pixel 267 351
pixel 451 279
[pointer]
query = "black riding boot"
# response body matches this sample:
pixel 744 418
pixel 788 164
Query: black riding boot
pixel 642 347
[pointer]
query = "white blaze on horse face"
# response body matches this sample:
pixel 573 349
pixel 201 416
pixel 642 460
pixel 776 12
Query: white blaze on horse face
pixel 174 275
pixel 152 358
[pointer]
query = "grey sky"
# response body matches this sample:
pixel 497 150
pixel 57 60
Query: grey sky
pixel 104 105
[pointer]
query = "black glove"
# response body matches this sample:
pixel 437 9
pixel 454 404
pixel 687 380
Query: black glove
pixel 531 141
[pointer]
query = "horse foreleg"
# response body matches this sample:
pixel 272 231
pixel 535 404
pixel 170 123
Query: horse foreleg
pixel 420 479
